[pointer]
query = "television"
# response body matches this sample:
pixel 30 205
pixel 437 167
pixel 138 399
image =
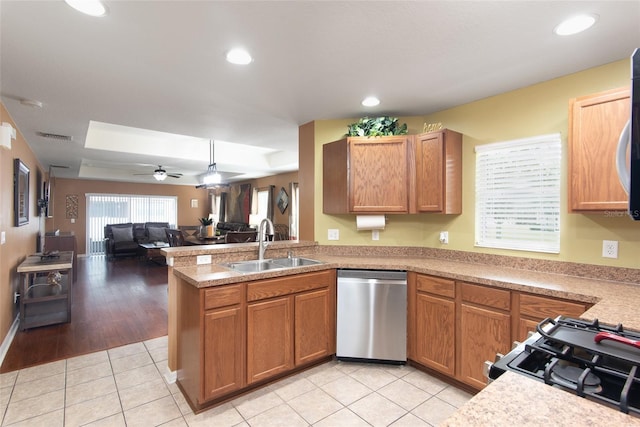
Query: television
pixel 630 140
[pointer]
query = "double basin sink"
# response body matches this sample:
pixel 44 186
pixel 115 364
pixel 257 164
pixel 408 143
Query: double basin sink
pixel 257 266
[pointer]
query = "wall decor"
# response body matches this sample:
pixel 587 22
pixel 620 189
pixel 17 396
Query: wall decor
pixel 20 193
pixel 72 206
pixel 194 203
pixel 283 200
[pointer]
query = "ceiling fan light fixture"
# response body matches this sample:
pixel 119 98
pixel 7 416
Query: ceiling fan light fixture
pixel 160 176
pixel 88 7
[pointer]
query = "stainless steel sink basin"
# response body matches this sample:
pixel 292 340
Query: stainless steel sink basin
pixel 295 262
pixel 257 266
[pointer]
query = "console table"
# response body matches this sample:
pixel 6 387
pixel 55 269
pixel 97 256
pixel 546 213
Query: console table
pixel 45 294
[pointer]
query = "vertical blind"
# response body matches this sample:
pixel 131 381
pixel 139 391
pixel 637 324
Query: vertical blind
pixel 518 194
pixel 103 209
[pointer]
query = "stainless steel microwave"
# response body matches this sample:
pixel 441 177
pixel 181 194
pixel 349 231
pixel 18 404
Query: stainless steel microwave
pixel 630 174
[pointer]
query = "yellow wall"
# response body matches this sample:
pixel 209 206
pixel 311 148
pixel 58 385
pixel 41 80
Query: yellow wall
pixel 534 110
pixel 20 241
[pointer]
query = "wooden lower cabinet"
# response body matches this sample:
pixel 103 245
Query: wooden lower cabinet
pixel 223 346
pixel 269 339
pixel 435 330
pixel 483 333
pixel 290 323
pixel 314 320
pixel 532 309
pixel 232 338
pixel 211 341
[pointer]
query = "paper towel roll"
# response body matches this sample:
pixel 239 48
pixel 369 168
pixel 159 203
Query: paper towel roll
pixel 370 222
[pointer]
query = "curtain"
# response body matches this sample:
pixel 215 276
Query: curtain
pixel 222 217
pixel 270 203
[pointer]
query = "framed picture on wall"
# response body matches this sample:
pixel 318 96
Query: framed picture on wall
pixel 20 193
pixel 283 200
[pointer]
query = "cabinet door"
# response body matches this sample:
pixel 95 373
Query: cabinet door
pixel 439 172
pixel 313 326
pixel 379 175
pixel 595 123
pixel 269 338
pixel 435 333
pixel 223 346
pixel 483 333
pixel 430 169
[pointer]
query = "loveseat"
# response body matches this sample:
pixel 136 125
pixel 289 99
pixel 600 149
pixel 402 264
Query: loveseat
pixel 122 240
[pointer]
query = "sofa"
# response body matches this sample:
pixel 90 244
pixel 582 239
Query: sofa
pixel 122 240
pixel 224 227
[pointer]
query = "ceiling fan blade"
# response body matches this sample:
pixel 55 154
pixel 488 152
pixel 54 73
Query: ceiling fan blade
pixel 175 175
pixel 147 174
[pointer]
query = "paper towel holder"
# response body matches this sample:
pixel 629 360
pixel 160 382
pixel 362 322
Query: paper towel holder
pixel 370 222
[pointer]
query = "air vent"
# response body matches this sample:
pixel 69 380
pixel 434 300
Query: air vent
pixel 55 136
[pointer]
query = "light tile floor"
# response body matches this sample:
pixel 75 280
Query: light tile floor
pixel 125 386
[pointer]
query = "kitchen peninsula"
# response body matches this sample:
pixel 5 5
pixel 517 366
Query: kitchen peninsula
pixel 610 298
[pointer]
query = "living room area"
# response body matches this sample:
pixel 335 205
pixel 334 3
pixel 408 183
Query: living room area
pixel 118 300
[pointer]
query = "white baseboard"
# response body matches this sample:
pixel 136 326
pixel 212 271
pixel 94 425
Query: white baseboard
pixel 170 377
pixel 6 343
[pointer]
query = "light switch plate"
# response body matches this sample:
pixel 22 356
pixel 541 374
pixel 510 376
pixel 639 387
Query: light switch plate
pixel 203 259
pixel 444 237
pixel 3 238
pixel 333 234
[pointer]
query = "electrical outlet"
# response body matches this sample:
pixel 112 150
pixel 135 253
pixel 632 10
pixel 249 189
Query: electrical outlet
pixel 444 237
pixel 203 259
pixel 375 234
pixel 333 234
pixel 610 249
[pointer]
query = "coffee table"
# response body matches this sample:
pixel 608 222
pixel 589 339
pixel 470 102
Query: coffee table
pixel 151 252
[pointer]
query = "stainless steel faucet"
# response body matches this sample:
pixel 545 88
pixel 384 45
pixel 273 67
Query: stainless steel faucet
pixel 262 237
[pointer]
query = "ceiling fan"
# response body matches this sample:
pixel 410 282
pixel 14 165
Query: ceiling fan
pixel 161 174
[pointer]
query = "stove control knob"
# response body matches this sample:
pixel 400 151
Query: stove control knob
pixel 515 344
pixel 498 356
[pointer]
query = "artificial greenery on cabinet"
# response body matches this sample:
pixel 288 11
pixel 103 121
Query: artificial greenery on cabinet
pixel 377 126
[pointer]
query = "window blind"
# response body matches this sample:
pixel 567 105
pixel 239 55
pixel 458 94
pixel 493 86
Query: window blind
pixel 518 194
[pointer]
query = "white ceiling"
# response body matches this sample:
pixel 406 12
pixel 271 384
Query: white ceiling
pixel 159 66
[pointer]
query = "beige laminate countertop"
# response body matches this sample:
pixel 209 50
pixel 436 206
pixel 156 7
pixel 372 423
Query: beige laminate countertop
pixel 512 399
pixel 614 302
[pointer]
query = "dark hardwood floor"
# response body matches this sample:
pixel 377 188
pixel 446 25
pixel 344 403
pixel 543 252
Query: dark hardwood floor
pixel 114 303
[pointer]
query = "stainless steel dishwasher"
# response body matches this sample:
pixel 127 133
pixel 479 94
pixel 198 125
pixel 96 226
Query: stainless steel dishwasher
pixel 372 315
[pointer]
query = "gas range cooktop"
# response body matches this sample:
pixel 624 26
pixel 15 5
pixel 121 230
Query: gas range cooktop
pixel 591 360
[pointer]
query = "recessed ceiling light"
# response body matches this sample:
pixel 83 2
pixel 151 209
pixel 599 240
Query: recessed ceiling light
pixel 575 24
pixel 370 101
pixel 239 56
pixel 89 7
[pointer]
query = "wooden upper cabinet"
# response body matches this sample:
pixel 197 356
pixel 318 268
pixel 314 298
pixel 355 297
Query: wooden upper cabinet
pixel 595 124
pixel 439 172
pixel 367 175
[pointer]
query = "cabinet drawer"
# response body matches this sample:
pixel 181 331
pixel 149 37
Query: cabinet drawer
pixel 288 285
pixel 436 285
pixel 541 307
pixel 223 296
pixel 482 295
